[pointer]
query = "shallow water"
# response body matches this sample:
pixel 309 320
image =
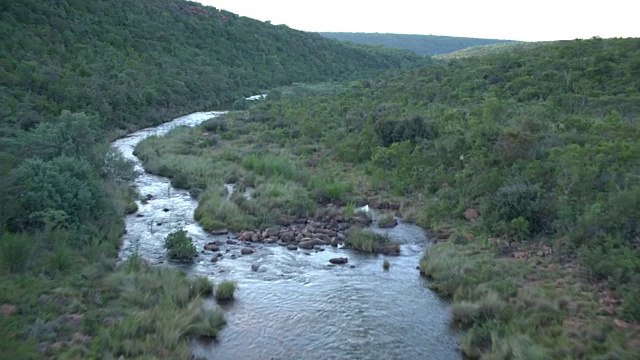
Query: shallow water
pixel 297 305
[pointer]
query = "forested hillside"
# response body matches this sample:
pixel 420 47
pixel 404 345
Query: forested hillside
pixel 73 75
pixel 420 44
pixel 525 166
pixel 140 62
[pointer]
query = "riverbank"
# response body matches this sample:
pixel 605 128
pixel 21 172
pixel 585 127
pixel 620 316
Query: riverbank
pixel 75 300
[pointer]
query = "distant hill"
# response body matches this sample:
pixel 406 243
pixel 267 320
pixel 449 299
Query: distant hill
pixel 420 44
pixel 499 48
pixel 144 61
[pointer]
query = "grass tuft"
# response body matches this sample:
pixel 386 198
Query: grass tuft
pixel 225 290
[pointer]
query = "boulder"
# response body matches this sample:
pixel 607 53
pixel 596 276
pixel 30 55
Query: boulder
pixel 388 224
pixel 287 237
pixel 222 231
pixel 339 260
pixel 322 237
pixel 389 249
pixel 255 237
pixel 292 247
pixel 307 244
pixel 471 214
pixel 212 246
pixel 8 309
pixel 247 251
pixel 216 257
pixel 334 242
pixel 246 236
pixel 255 266
pixel 272 231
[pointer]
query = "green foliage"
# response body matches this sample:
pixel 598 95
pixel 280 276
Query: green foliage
pixel 111 65
pixel 328 190
pixel 523 207
pixel 271 166
pixel 365 240
pixel 63 192
pixel 180 246
pixel 16 250
pixel 225 290
pixel 214 212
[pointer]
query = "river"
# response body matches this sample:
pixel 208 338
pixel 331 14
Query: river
pixel 297 305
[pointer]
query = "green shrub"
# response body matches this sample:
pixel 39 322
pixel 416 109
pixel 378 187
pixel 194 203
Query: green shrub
pixel 16 251
pixel 180 246
pixel 365 240
pixel 225 290
pixel 520 201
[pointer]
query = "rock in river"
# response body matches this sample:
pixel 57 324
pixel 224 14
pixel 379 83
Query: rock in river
pixel 308 244
pixel 339 260
pixel 247 251
pixel 212 246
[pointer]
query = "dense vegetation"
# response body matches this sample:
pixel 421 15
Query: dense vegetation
pixel 419 44
pixel 137 63
pixel 525 164
pixel 74 74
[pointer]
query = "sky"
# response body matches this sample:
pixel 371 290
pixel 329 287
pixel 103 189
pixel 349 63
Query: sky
pixel 538 20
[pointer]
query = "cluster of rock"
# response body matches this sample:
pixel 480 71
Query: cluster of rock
pixel 306 233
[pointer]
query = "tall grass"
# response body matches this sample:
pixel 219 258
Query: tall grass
pixel 326 190
pixel 16 250
pixel 169 310
pixel 365 240
pixel 215 212
pixel 271 166
pixel 225 290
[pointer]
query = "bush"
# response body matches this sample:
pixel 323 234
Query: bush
pixel 225 290
pixel 523 202
pixel 15 251
pixel 180 246
pixel 365 240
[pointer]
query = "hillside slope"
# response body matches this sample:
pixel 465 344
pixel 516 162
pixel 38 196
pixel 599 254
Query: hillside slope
pixel 420 44
pixel 141 62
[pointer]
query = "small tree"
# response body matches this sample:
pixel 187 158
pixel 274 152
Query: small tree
pixel 180 246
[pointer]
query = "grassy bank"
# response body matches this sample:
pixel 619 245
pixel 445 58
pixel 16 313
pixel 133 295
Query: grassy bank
pixel 98 309
pixel 531 306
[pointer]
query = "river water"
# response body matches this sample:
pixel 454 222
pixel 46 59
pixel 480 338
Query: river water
pixel 297 305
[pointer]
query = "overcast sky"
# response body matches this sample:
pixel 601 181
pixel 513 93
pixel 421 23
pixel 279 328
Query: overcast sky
pixel 497 19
